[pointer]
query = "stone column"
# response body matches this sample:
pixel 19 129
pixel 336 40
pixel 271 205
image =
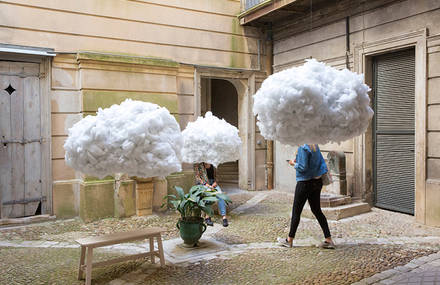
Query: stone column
pixel 336 165
pixel 160 191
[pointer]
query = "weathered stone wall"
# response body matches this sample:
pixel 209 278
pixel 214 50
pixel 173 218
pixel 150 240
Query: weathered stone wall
pixel 370 23
pixel 432 196
pixel 112 50
pixel 197 32
pixel 84 82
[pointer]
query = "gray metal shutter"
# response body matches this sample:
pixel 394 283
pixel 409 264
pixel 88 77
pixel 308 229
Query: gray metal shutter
pixel 394 125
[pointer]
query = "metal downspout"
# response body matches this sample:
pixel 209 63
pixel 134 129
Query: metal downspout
pixel 269 144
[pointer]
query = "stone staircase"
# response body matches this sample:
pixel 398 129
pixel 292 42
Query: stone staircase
pixel 228 173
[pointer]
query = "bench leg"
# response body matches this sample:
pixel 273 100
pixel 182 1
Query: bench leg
pixel 81 262
pixel 89 266
pixel 160 247
pixel 152 249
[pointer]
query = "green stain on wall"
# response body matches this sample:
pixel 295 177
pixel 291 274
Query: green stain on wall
pixel 127 59
pixel 64 201
pixel 92 99
pixel 108 178
pixel 237 44
pixel 125 204
pixel 96 200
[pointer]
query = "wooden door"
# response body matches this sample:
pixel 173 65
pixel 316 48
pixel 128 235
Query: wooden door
pixel 20 134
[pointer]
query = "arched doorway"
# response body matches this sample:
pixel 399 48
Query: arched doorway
pixel 221 98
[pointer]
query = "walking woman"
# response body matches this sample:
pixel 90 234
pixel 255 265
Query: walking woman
pixel 310 167
pixel 205 174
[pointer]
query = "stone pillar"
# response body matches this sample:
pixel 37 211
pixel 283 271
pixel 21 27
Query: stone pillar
pixel 336 165
pixel 125 196
pixel 175 179
pixel 160 191
pixel 144 196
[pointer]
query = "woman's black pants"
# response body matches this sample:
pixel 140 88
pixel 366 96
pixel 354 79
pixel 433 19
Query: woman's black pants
pixel 309 190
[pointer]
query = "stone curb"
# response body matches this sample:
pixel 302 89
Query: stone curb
pixel 393 275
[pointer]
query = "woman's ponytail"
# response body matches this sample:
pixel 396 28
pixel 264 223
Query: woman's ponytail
pixel 313 147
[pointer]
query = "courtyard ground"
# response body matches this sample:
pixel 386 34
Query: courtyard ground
pixel 243 253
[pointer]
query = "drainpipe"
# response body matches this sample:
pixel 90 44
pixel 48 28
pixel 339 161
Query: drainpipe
pixel 269 144
pixel 347 42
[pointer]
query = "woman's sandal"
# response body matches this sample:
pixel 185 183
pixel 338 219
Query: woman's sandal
pixel 284 242
pixel 327 245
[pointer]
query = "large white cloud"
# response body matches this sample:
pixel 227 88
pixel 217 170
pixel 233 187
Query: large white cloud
pixel 211 140
pixel 313 103
pixel 137 138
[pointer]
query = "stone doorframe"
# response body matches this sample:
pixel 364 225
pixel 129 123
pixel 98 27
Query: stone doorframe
pixel 40 56
pixel 363 145
pixel 244 83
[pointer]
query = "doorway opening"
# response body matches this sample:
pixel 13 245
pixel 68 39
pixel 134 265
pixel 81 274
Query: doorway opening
pixel 221 98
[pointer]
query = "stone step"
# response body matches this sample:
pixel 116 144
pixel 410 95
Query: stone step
pixel 227 174
pixel 26 220
pixel 228 166
pixel 221 182
pixel 333 200
pixel 339 212
pixel 227 170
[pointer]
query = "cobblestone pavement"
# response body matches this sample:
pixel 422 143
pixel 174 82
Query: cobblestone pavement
pixel 423 270
pixel 374 248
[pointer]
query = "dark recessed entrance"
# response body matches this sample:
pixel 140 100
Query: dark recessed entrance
pixel 221 98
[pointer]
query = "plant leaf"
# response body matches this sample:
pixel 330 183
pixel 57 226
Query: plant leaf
pixel 169 196
pixel 213 199
pixel 179 191
pixel 223 197
pixel 208 210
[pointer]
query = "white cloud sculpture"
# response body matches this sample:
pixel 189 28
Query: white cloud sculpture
pixel 313 103
pixel 137 138
pixel 211 140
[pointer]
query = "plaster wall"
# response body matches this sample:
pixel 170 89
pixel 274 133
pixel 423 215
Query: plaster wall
pixel 111 50
pixel 196 32
pixel 84 82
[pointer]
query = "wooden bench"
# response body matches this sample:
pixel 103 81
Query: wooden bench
pixel 94 242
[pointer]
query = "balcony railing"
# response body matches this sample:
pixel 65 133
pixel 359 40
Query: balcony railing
pixel 248 4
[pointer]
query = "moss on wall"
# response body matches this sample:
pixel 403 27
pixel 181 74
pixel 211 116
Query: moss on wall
pixel 237 44
pixel 64 201
pixel 131 59
pixel 96 200
pixel 184 179
pixel 127 200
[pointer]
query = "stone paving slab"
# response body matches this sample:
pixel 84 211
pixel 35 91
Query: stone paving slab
pixel 424 270
pixel 251 203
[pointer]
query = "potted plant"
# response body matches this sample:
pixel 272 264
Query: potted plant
pixel 190 206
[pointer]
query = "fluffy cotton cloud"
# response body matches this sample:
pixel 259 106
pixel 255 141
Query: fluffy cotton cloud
pixel 313 103
pixel 137 138
pixel 210 140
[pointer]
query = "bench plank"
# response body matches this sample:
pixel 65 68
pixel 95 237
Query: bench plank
pixel 120 237
pixel 88 244
pixel 123 258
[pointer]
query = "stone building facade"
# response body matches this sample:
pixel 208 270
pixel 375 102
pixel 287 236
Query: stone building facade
pixel 94 53
pixel 396 45
pixel 80 55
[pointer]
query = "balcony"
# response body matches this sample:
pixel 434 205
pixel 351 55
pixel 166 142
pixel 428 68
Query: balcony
pixel 249 4
pixel 260 12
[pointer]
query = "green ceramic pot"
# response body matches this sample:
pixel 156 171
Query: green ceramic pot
pixel 191 230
